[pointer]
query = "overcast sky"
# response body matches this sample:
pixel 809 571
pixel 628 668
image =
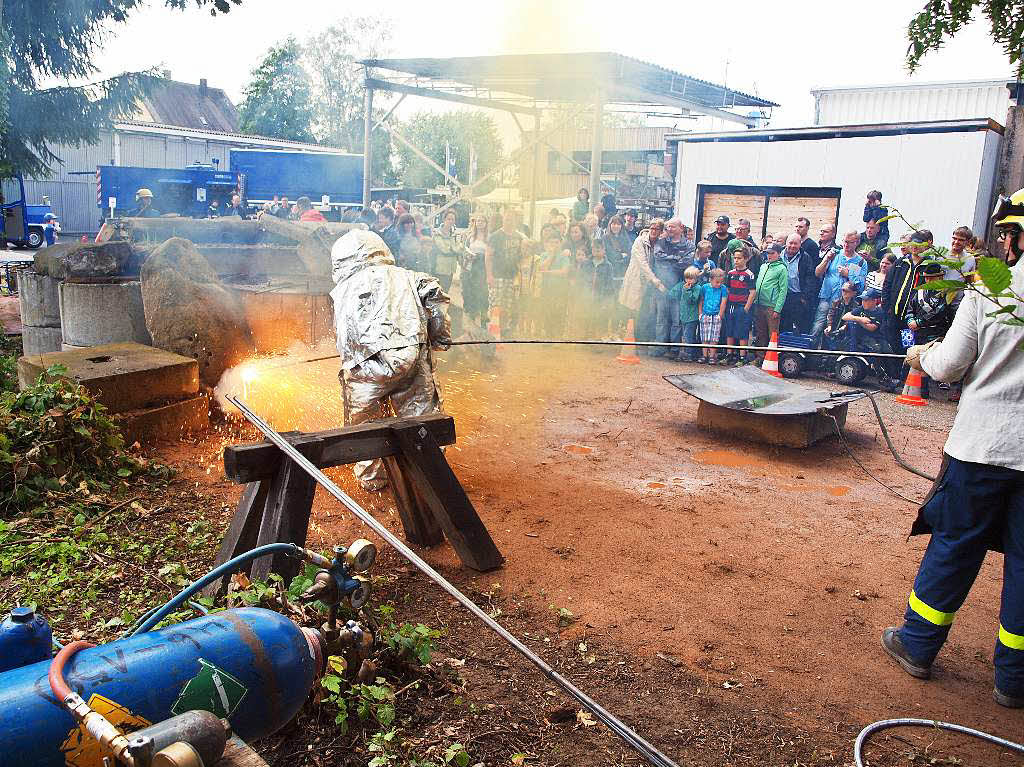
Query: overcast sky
pixel 778 50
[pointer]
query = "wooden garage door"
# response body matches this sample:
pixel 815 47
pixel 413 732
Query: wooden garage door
pixel 749 206
pixel 784 211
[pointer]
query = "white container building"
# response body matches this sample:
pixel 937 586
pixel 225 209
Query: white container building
pixel 912 102
pixel 939 174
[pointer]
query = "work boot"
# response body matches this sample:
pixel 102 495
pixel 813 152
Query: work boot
pixel 1010 701
pixel 892 644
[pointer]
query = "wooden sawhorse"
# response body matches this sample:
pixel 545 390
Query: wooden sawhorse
pixel 278 497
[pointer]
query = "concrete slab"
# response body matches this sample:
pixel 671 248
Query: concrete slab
pixel 124 377
pixel 784 430
pixel 167 422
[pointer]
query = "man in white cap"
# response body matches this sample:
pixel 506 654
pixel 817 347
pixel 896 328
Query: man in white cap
pixel 388 320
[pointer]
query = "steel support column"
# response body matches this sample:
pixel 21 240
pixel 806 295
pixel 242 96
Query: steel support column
pixel 367 144
pixel 595 149
pixel 533 177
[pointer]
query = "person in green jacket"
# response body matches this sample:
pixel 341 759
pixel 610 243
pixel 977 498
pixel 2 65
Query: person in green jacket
pixel 771 288
pixel 581 207
pixel 687 293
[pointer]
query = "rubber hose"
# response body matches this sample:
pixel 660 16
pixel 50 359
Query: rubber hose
pixel 56 673
pixel 885 724
pixel 210 577
pixel 201 609
pixel 892 448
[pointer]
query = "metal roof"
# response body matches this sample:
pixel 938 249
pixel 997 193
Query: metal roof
pixel 837 131
pixel 570 77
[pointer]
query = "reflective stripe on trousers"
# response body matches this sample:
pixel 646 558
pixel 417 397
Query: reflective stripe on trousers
pixel 973 507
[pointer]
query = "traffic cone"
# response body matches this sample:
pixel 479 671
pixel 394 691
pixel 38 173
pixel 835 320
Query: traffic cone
pixel 771 358
pixel 494 323
pixel 628 354
pixel 912 390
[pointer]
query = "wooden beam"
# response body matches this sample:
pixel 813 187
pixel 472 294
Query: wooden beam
pixel 242 532
pixel 427 470
pixel 250 463
pixel 418 523
pixel 286 515
pixel 429 93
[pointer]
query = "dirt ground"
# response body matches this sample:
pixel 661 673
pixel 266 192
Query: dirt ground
pixel 757 577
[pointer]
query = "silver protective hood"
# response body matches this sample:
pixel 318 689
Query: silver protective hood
pixel 380 306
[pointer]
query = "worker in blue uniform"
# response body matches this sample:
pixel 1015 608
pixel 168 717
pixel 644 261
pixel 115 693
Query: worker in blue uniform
pixel 977 502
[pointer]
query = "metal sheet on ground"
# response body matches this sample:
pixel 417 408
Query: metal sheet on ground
pixel 752 390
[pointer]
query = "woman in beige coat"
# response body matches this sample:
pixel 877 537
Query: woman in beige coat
pixel 640 279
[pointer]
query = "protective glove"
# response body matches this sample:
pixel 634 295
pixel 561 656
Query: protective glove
pixel 914 354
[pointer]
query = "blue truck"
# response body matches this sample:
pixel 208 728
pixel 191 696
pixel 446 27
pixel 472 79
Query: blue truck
pixel 332 181
pixel 22 223
pixel 186 191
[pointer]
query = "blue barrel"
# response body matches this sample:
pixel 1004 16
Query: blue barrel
pixel 253 667
pixel 24 638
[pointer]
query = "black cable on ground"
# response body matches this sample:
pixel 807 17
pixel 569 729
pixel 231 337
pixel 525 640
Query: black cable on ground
pixel 892 449
pixel 856 460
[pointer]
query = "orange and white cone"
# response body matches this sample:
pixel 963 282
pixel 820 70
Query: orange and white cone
pixel 771 358
pixel 494 323
pixel 628 354
pixel 912 390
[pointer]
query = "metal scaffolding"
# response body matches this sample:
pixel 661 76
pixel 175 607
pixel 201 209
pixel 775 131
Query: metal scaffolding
pixel 529 84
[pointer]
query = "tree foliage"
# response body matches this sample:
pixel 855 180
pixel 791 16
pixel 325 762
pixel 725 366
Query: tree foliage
pixel 430 131
pixel 56 41
pixel 942 19
pixel 278 102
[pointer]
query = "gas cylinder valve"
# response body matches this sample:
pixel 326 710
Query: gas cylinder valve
pixel 345 578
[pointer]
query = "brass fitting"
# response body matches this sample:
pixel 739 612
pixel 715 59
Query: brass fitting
pixel 108 736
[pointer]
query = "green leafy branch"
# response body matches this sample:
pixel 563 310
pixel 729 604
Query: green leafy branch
pixel 993 273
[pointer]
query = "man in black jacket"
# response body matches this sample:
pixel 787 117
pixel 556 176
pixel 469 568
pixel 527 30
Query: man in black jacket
pixel 802 295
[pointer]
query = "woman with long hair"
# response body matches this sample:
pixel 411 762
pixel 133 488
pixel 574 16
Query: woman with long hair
pixel 617 244
pixel 474 273
pixel 577 238
pixel 412 253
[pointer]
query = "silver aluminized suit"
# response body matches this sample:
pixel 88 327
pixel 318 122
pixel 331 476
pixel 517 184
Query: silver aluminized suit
pixel 388 319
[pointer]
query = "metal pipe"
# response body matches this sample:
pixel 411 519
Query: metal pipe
pixel 641 746
pixel 674 345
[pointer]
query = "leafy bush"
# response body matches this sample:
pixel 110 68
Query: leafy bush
pixel 55 436
pixel 10 350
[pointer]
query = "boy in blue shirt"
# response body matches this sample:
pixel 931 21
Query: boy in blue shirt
pixel 712 310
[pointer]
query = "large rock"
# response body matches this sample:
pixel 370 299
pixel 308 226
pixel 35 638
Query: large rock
pixel 87 260
pixel 189 312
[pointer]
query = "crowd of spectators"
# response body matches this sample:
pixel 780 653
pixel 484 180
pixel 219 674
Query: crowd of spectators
pixel 591 271
pixel 858 294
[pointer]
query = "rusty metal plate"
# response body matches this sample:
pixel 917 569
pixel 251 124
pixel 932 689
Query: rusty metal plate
pixel 752 390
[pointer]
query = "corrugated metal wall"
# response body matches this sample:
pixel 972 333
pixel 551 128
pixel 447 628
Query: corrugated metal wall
pixel 940 180
pixel 557 185
pixel 73 195
pixel 948 101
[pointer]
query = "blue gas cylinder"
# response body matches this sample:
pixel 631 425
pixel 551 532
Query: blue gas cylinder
pixel 251 666
pixel 24 638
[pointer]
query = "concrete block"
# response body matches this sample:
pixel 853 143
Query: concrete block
pixel 36 341
pixel 166 422
pixel 37 295
pixel 783 430
pixel 123 377
pixel 102 313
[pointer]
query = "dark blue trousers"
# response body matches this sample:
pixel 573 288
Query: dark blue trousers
pixel 974 507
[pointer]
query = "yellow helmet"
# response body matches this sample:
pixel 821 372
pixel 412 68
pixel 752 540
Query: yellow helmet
pixel 1009 210
pixel 144 193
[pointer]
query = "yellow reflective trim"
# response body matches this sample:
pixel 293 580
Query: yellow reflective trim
pixel 1013 641
pixel 930 614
